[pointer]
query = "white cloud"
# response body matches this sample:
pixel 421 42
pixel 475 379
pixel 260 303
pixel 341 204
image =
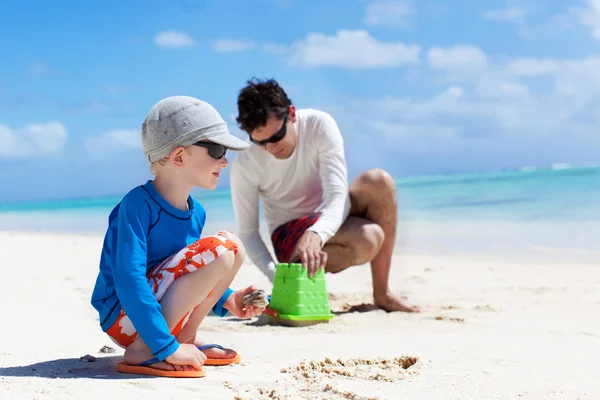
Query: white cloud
pixel 233 46
pixel 511 113
pixel 32 140
pixel 351 49
pixel 561 21
pixel 497 86
pixel 556 24
pixel 494 122
pixel 511 14
pixel 458 62
pixel 390 13
pixel 459 56
pixel 573 77
pixel 173 38
pixel 590 17
pixel 532 66
pixel 455 91
pixel 113 141
pixel 579 78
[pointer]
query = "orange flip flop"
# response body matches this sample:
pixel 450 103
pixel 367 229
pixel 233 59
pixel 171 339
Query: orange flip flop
pixel 219 361
pixel 144 369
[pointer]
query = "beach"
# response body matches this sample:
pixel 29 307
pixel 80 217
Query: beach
pixel 489 329
pixel 462 135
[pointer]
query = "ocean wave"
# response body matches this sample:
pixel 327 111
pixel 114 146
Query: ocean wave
pixel 459 203
pixel 531 172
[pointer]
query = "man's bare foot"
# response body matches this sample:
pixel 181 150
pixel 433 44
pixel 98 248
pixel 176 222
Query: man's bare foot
pixel 138 353
pixel 390 303
pixel 213 352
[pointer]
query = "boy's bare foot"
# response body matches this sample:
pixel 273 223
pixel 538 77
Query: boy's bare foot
pixel 212 352
pixel 390 303
pixel 138 353
pixel 215 352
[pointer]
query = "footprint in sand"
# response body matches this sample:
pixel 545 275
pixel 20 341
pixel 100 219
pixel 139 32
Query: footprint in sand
pixel 455 319
pixel 142 385
pixel 360 308
pixel 418 279
pixel 588 334
pixel 485 308
pixel 450 307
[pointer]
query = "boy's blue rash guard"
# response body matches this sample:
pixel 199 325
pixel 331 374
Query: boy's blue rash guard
pixel 144 229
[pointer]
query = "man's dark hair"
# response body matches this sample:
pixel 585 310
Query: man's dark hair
pixel 259 100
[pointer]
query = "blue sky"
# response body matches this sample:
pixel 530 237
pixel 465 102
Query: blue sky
pixel 416 87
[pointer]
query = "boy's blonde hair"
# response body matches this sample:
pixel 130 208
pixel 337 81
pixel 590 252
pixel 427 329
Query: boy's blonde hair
pixel 163 161
pixel 153 165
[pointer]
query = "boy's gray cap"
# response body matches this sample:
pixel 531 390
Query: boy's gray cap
pixel 182 121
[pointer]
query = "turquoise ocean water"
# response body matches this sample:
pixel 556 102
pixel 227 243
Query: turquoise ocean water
pixel 552 213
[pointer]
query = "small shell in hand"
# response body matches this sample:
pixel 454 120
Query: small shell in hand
pixel 257 298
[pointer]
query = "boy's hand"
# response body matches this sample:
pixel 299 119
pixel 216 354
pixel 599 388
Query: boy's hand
pixel 188 357
pixel 235 304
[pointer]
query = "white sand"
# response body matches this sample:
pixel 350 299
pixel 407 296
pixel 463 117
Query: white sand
pixel 489 330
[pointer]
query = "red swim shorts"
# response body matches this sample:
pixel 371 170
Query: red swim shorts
pixel 286 236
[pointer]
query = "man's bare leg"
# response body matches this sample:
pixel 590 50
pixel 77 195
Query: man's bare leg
pixel 356 242
pixel 373 199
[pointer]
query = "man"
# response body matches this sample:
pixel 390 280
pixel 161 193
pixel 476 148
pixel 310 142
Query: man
pixel 297 167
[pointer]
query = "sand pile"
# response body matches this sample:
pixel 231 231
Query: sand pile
pixel 325 379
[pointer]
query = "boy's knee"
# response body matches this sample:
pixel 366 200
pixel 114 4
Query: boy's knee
pixel 225 262
pixel 241 250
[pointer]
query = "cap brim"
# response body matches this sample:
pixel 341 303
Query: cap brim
pixel 230 141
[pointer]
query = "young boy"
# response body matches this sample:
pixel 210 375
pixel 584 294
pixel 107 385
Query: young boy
pixel 158 278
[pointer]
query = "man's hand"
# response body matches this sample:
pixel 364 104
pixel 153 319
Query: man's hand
pixel 308 250
pixel 235 304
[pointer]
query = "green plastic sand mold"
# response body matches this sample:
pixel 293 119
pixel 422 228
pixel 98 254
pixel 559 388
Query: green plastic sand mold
pixel 296 297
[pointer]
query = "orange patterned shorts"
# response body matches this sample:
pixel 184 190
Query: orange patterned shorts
pixel 160 278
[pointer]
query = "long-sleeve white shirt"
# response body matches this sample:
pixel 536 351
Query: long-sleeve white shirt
pixel 313 179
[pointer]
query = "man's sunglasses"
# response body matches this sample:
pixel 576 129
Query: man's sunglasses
pixel 215 150
pixel 276 137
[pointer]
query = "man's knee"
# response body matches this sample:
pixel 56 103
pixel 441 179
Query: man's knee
pixel 373 187
pixel 377 179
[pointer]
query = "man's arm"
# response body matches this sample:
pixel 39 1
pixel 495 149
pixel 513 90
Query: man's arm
pixel 129 271
pixel 334 177
pixel 244 194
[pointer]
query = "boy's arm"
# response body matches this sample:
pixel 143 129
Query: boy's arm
pixel 245 195
pixel 131 284
pixel 219 308
pixel 334 177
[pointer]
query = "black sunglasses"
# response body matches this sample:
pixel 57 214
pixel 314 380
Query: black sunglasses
pixel 276 137
pixel 215 150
